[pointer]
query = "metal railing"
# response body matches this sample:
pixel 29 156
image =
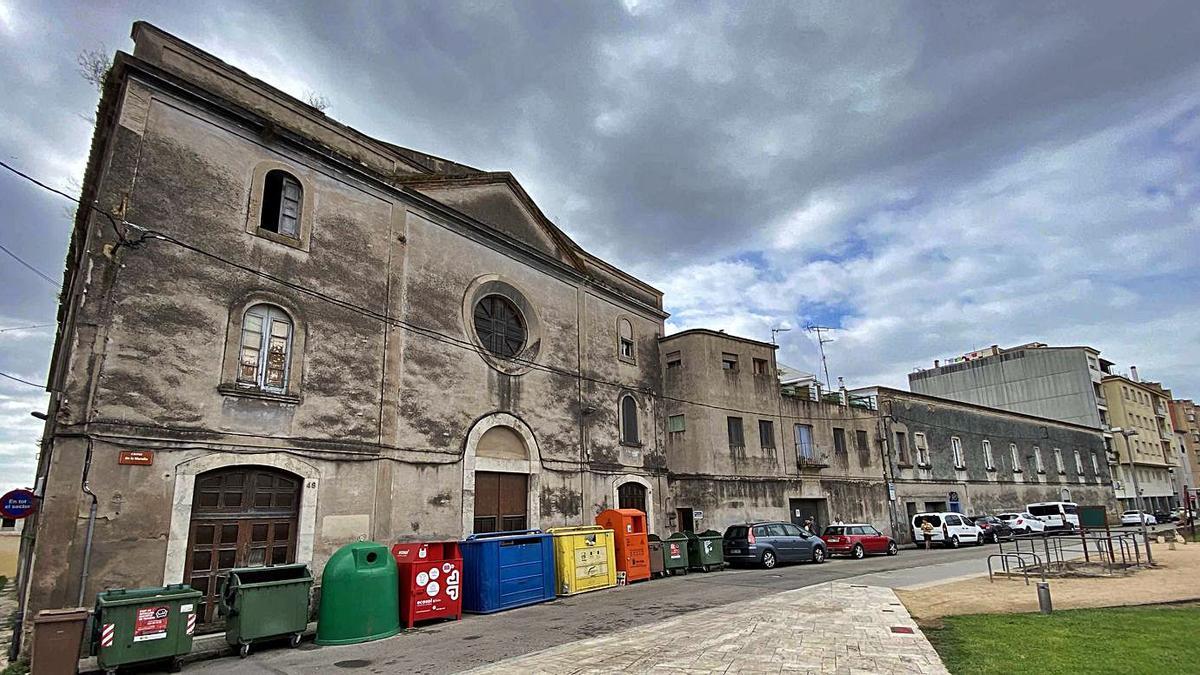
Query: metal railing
pixel 1062 551
pixel 1021 565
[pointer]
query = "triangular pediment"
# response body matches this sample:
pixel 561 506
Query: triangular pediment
pixel 499 202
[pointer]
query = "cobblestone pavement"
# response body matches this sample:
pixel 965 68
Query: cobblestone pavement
pixel 8 616
pixel 829 628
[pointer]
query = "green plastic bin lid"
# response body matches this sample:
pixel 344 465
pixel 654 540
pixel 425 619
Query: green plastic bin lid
pixel 116 597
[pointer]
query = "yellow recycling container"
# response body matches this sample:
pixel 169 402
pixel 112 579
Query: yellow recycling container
pixel 584 558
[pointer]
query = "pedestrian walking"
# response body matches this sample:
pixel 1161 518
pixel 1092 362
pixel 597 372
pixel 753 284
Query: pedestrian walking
pixel 808 524
pixel 927 531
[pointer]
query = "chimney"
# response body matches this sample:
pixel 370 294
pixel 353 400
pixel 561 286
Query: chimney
pixel 936 363
pixel 1133 374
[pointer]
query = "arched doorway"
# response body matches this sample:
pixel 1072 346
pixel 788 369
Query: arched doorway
pixel 501 467
pixel 631 496
pixel 242 516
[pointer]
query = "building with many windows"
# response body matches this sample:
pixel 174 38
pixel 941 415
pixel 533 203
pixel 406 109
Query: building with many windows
pixel 1187 430
pixel 1142 411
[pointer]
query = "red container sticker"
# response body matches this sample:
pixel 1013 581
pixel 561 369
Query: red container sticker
pixel 151 623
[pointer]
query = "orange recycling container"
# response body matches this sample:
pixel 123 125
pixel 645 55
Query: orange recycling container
pixel 632 547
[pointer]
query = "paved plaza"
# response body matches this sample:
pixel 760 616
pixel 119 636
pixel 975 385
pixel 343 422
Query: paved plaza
pixel 829 628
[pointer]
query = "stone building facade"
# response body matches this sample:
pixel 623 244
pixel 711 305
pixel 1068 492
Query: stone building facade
pixel 951 455
pixel 1144 408
pixel 737 449
pixel 279 335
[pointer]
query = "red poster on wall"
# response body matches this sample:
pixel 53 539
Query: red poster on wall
pixel 151 623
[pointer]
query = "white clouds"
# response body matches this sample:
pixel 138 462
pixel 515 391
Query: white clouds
pixel 1070 243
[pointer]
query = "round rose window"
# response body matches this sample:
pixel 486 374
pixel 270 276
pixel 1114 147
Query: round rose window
pixel 499 326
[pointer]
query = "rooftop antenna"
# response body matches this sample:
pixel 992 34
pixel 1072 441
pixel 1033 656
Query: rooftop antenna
pixel 821 342
pixel 774 331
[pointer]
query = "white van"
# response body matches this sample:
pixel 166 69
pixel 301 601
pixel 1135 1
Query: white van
pixel 1056 515
pixel 949 529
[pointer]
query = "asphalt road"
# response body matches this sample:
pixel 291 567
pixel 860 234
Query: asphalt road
pixel 455 646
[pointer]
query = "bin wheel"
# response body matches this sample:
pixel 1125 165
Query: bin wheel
pixel 243 650
pixel 110 671
pixel 176 665
pixel 295 641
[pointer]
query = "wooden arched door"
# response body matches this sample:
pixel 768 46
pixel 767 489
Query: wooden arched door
pixel 242 516
pixel 631 496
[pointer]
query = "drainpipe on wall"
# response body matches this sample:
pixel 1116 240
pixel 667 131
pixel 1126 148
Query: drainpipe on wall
pixel 91 525
pixel 889 469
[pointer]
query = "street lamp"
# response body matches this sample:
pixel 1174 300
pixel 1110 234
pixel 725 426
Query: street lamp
pixel 1137 492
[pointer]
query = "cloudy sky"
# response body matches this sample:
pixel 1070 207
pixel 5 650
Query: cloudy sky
pixel 929 178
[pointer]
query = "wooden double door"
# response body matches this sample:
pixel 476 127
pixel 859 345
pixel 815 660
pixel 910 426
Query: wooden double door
pixel 241 517
pixel 501 502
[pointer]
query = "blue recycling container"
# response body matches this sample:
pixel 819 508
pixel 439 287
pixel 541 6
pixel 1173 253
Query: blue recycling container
pixel 502 570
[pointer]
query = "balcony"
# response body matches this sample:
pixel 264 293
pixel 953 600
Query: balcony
pixel 808 457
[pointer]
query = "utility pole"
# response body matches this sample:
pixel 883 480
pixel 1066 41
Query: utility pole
pixel 821 342
pixel 1137 492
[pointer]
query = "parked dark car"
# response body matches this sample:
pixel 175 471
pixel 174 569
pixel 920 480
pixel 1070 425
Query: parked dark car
pixel 1164 516
pixel 857 540
pixel 769 543
pixel 993 528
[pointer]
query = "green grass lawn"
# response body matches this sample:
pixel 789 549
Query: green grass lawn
pixel 1122 640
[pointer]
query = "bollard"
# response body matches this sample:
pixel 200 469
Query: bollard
pixel 1043 591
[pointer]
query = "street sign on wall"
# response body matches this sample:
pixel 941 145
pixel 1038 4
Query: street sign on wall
pixel 17 504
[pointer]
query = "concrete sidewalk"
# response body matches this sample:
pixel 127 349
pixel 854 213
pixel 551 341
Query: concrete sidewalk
pixel 828 628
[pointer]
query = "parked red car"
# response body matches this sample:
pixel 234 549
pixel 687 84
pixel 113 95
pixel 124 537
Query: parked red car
pixel 857 540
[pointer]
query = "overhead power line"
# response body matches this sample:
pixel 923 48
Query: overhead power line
pixel 144 233
pixel 40 325
pixel 17 379
pixel 31 268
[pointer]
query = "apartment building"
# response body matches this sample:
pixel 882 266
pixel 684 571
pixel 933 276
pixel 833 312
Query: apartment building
pixel 1146 443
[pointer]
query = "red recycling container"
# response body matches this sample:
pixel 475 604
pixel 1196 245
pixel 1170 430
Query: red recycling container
pixel 430 581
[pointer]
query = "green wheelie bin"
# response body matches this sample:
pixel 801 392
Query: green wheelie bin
pixel 143 625
pixel 675 554
pixel 261 603
pixel 705 551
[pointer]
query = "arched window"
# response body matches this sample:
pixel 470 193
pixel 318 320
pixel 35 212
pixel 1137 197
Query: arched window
pixel 499 325
pixel 281 200
pixel 266 348
pixel 625 346
pixel 629 420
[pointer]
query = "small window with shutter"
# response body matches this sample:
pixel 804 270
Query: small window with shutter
pixel 281 203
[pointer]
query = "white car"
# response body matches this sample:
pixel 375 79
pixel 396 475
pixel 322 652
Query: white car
pixel 949 529
pixel 1022 523
pixel 1131 518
